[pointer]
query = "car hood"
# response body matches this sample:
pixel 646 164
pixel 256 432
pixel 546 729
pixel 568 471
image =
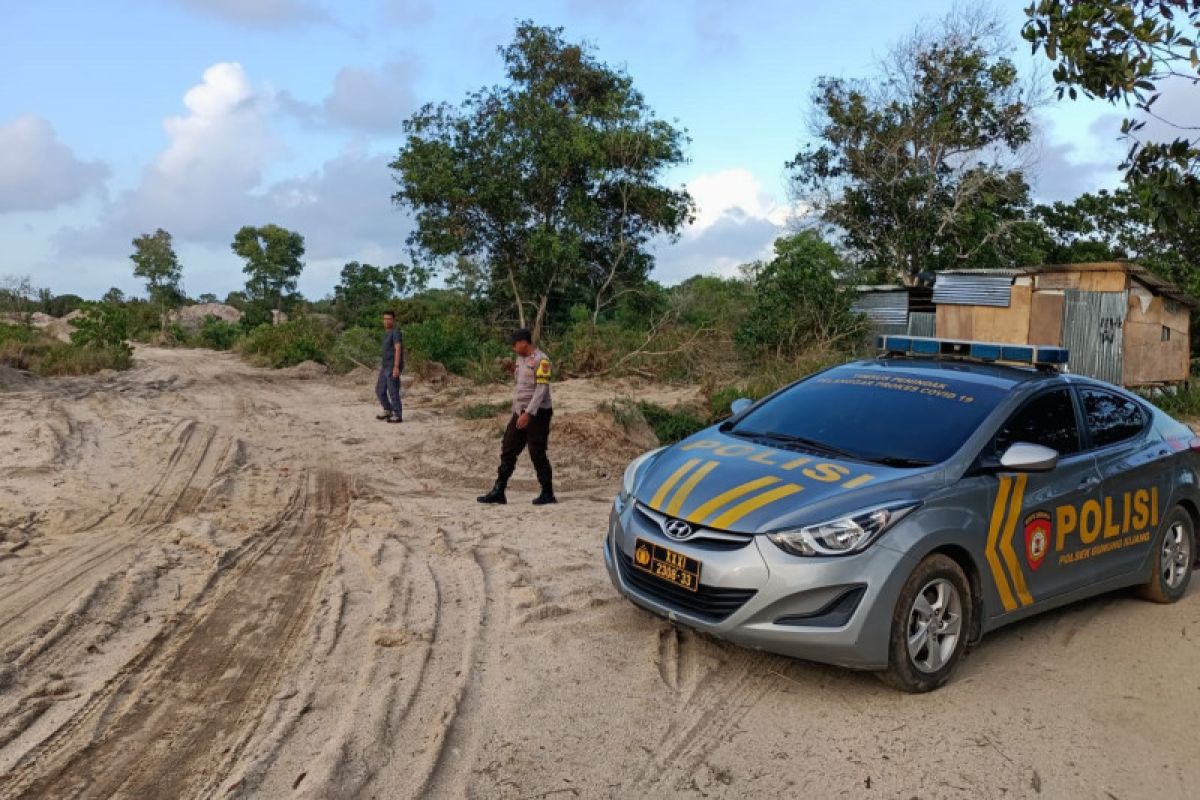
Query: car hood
pixel 728 483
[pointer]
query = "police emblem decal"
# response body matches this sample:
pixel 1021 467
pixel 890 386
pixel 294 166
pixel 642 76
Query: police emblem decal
pixel 1037 538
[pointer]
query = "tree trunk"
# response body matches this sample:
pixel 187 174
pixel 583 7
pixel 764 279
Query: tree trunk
pixel 540 318
pixel 512 281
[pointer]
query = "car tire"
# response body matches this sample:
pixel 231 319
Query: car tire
pixel 930 626
pixel 1171 558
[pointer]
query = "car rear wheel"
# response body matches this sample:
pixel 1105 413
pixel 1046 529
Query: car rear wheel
pixel 930 626
pixel 1173 555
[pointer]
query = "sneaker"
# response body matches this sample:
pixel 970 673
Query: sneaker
pixel 384 415
pixel 394 419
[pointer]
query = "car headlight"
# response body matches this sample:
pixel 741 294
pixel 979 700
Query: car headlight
pixel 844 535
pixel 631 472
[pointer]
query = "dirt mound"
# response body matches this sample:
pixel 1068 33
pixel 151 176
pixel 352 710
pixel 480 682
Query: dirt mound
pixel 596 439
pixel 190 318
pixel 12 379
pixel 307 370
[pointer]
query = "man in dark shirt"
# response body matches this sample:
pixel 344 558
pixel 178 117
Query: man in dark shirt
pixel 387 388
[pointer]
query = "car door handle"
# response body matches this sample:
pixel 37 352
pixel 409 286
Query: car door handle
pixel 1089 482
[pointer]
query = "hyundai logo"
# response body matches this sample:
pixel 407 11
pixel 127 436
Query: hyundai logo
pixel 677 529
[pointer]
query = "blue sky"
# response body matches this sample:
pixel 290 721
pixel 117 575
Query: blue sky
pixel 200 116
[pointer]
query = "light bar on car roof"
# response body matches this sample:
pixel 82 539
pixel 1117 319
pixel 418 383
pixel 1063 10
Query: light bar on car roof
pixel 1036 354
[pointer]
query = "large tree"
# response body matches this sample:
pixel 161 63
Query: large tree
pixel 1127 51
pixel 553 179
pixel 273 261
pixel 154 261
pixel 365 289
pixel 918 168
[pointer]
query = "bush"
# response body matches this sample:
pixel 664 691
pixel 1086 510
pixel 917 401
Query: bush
pixel 289 344
pixel 485 410
pixel 452 340
pixel 669 426
pixel 356 347
pixel 217 334
pixel 33 350
pixel 102 325
pixel 1183 402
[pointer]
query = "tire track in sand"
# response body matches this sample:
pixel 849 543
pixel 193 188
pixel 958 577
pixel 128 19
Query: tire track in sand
pixel 204 697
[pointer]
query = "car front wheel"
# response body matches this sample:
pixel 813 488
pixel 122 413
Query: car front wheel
pixel 930 626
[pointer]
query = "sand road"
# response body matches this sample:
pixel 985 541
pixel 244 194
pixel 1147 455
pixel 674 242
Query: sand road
pixel 219 581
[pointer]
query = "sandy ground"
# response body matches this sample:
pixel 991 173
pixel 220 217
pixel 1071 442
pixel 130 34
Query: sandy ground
pixel 218 581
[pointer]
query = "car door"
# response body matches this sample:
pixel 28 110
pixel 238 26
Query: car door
pixel 1135 467
pixel 1024 551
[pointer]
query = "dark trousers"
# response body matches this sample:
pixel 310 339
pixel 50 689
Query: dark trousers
pixel 537 436
pixel 387 389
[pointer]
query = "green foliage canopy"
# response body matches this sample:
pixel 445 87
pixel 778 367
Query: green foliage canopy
pixel 273 261
pixel 553 180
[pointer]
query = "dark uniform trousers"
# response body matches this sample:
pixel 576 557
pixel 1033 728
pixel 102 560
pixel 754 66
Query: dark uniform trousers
pixel 537 436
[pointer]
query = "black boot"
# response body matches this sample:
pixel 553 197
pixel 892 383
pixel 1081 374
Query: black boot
pixel 546 497
pixel 495 496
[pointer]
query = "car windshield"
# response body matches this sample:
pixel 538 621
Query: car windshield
pixel 905 418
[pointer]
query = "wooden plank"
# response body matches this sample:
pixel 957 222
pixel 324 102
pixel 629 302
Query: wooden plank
pixel 1147 359
pixel 1046 318
pixel 1058 280
pixel 1100 281
pixel 954 322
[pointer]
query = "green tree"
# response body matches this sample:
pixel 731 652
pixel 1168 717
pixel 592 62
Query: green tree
pixel 207 298
pixel 553 179
pixel 1123 51
pixel 798 299
pixel 273 262
pixel 916 168
pixel 155 262
pixel 1115 225
pixel 113 296
pixel 364 290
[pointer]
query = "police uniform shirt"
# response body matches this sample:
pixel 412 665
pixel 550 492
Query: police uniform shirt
pixel 533 384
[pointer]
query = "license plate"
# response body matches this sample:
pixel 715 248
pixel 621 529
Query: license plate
pixel 665 564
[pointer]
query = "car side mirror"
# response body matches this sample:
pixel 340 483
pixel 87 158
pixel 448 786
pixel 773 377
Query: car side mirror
pixel 1026 457
pixel 740 405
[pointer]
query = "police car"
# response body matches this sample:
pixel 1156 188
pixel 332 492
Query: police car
pixel 886 513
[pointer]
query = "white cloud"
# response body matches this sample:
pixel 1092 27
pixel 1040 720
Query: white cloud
pixel 369 99
pixel 209 181
pixel 259 13
pixel 406 13
pixel 737 221
pixel 38 172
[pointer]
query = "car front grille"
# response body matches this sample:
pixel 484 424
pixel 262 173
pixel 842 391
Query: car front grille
pixel 708 603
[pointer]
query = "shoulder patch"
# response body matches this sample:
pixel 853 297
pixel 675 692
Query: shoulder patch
pixel 543 371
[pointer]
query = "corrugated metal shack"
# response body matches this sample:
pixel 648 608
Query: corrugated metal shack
pixel 1122 323
pixel 896 309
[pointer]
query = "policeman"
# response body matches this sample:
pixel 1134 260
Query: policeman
pixel 530 423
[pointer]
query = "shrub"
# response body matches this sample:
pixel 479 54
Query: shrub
pixel 485 410
pixel 217 334
pixel 289 344
pixel 355 347
pixel 671 426
pixel 452 340
pixel 33 350
pixel 102 325
pixel 1183 402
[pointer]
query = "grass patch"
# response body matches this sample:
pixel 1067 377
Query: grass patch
pixel 485 410
pixel 32 350
pixel 668 425
pixel 1183 402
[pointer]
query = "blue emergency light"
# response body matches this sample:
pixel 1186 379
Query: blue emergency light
pixel 1034 354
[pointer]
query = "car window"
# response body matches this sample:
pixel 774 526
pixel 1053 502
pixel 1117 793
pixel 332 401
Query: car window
pixel 1110 417
pixel 872 413
pixel 1048 420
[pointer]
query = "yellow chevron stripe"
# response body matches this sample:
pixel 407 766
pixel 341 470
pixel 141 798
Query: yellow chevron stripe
pixel 717 503
pixel 746 506
pixel 686 489
pixel 998 511
pixel 661 495
pixel 1006 546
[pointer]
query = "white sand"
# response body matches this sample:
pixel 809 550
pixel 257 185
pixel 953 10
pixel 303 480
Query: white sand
pixel 218 581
